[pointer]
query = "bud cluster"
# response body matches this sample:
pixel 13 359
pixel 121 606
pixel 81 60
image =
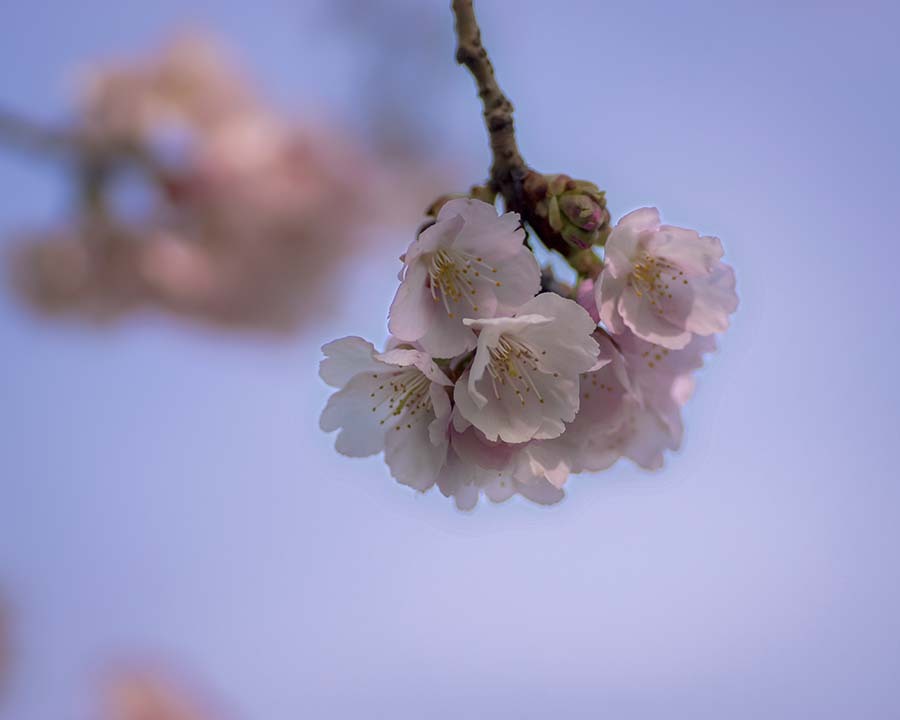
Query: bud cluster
pixel 573 210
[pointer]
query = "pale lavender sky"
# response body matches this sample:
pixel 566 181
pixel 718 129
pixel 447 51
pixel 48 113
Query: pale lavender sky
pixel 165 493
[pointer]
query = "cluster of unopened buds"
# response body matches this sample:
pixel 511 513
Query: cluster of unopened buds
pixel 488 385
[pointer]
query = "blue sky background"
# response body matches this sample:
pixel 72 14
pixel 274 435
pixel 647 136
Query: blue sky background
pixel 166 495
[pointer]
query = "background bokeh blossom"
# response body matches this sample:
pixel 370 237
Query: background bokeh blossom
pixel 195 197
pixel 167 493
pixel 152 694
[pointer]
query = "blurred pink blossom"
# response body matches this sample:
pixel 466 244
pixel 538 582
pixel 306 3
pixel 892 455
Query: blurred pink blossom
pixel 243 213
pixel 150 695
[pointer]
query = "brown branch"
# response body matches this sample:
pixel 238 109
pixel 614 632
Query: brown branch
pixel 508 168
pixel 27 135
pixel 96 158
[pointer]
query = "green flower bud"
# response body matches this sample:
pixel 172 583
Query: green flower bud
pixel 575 210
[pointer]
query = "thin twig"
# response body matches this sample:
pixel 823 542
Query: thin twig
pixel 508 167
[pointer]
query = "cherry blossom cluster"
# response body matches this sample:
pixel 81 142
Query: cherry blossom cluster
pixel 198 198
pixel 489 385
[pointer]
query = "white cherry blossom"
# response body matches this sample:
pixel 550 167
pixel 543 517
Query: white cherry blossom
pixel 523 381
pixel 395 401
pixel 471 263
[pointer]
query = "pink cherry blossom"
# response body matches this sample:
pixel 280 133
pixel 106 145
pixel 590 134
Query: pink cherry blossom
pixel 472 464
pixel 523 381
pixel 584 296
pixel 146 695
pixel 189 84
pixel 476 466
pixel 602 394
pixel 471 263
pixel 650 393
pixel 396 401
pixel 663 378
pixel 238 214
pixel 584 446
pixel 664 283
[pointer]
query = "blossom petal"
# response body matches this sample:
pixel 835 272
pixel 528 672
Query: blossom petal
pixel 412 309
pixel 586 296
pixel 411 455
pixel 500 489
pixel 439 429
pixel 542 461
pixel 515 418
pixel 520 281
pixel 607 293
pixel 446 337
pixel 404 357
pixel 460 480
pixel 686 249
pixel 648 439
pixel 714 300
pixel 570 321
pixel 646 322
pixel 623 241
pixel 542 493
pixel 350 410
pixel 432 237
pixel 345 358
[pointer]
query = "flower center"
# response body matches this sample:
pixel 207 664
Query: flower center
pixel 511 363
pixel 648 277
pixel 406 396
pixel 453 275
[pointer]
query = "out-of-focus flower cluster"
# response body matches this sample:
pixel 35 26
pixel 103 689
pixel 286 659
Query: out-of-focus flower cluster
pixel 146 695
pixel 196 197
pixel 140 692
pixel 488 385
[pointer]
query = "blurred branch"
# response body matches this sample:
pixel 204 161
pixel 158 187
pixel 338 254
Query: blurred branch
pixel 394 47
pixel 96 160
pixel 24 134
pixel 508 167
